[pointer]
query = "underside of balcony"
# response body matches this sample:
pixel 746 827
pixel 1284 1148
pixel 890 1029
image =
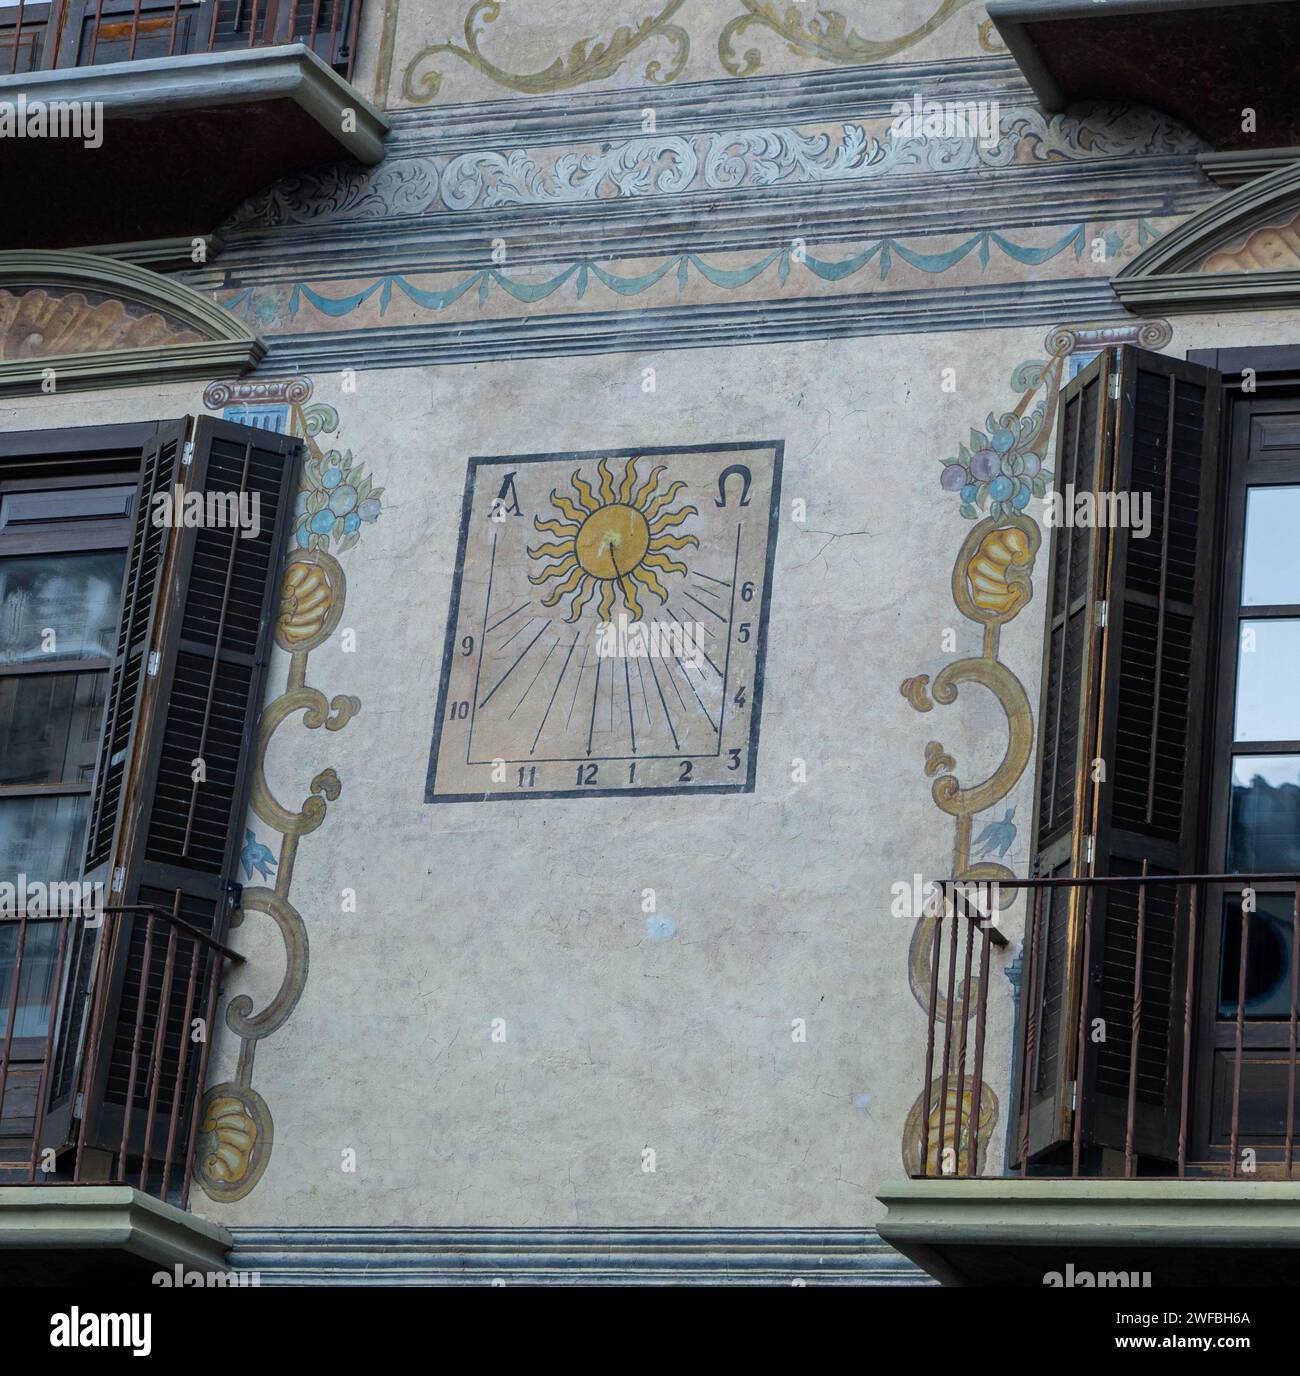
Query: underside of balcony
pixel 63 1234
pixel 1025 1232
pixel 183 141
pixel 1203 61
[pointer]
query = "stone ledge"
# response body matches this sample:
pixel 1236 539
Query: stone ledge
pixel 995 1230
pixel 106 1225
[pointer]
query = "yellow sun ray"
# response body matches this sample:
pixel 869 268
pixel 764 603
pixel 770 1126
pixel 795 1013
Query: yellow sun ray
pixel 662 561
pixel 671 518
pixel 662 500
pixel 648 580
pixel 568 509
pixel 569 584
pixel 606 482
pixel 606 600
pixel 555 527
pixel 647 488
pixel 580 600
pixel 629 481
pixel 584 490
pixel 552 571
pixel 674 542
pixel 550 551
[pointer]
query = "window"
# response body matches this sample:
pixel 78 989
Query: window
pixel 1170 737
pixel 62 554
pixel 133 649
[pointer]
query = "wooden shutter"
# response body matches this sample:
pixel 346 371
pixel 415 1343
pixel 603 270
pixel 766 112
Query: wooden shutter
pixel 1125 677
pixel 186 684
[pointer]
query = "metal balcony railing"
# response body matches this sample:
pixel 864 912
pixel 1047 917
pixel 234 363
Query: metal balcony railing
pixel 140 1061
pixel 52 34
pixel 1229 1124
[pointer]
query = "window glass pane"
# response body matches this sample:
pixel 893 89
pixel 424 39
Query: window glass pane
pixel 1268 957
pixel 43 838
pixel 1264 815
pixel 35 984
pixel 74 595
pixel 1270 573
pixel 1268 671
pixel 49 727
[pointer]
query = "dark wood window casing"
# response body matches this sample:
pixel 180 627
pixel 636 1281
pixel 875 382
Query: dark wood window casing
pixel 185 687
pixel 1122 740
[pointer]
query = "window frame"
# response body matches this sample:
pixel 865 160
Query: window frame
pixel 1276 370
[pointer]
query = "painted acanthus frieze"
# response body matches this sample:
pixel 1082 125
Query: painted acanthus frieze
pixel 996 477
pixel 589 59
pixel 669 165
pixel 824 35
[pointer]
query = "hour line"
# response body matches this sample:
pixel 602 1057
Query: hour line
pixel 595 694
pixel 577 687
pixel 555 692
pixel 710 610
pixel 507 617
pixel 694 690
pixel 722 582
pixel 654 675
pixel 519 632
pixel 515 665
pixel 640 673
pixel 631 716
pixel 703 651
pixel 535 677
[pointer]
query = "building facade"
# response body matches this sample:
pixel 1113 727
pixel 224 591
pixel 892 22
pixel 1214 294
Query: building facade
pixel 513 824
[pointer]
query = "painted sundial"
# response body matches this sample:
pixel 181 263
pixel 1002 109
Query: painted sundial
pixel 608 624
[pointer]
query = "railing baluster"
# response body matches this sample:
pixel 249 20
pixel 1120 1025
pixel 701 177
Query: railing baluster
pixel 935 947
pixel 1085 988
pixel 1241 1032
pixel 135 1047
pixel 94 33
pixel 43 1081
pixel 214 963
pixel 961 1051
pixel 135 32
pixel 977 1077
pixel 176 23
pixel 181 1063
pixel 1135 1026
pixel 159 1044
pixel 1031 1031
pixel 958 897
pixel 18 37
pixel 13 1010
pixel 98 998
pixel 1188 1005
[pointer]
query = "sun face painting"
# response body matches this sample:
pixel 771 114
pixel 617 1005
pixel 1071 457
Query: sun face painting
pixel 608 624
pixel 612 540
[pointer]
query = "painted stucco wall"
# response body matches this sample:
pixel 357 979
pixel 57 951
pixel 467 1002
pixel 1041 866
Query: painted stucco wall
pixel 462 1013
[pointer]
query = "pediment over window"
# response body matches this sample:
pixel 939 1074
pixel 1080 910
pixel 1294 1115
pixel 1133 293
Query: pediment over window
pixel 81 321
pixel 1242 251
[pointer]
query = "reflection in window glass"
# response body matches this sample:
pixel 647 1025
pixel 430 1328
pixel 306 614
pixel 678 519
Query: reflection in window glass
pixel 1264 815
pixel 42 837
pixel 1268 670
pixel 36 984
pixel 73 595
pixel 1270 575
pixel 1268 957
pixel 49 727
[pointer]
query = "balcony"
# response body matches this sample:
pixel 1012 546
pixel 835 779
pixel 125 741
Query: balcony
pixel 101 1082
pixel 1146 1059
pixel 182 110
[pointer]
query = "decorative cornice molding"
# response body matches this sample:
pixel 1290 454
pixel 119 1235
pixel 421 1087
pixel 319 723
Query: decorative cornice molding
pixel 1170 275
pixel 165 330
pixel 570 1256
